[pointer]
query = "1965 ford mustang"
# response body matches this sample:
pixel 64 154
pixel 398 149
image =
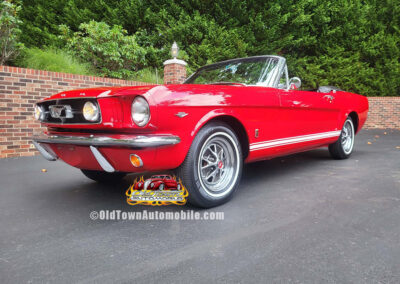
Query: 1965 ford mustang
pixel 225 114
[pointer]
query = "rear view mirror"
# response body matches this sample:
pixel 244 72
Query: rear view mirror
pixel 294 83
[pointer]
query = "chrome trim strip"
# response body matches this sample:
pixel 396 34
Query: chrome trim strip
pixel 293 140
pixel 47 154
pixel 73 98
pixel 140 141
pixel 101 160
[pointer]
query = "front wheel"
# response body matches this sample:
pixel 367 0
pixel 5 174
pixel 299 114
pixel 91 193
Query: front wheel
pixel 213 166
pixel 343 147
pixel 103 177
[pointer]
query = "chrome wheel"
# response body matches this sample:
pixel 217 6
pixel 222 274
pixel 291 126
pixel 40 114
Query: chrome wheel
pixel 218 164
pixel 347 137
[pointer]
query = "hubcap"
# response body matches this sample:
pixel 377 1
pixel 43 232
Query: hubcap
pixel 218 164
pixel 347 137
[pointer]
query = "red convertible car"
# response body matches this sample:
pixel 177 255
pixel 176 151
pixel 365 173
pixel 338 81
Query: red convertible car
pixel 225 114
pixel 158 182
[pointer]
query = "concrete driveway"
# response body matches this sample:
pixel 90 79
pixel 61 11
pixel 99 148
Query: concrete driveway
pixel 303 218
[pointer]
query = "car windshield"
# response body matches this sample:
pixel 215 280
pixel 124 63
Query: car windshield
pixel 259 71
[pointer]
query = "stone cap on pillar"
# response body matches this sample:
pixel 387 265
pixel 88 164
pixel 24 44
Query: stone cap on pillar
pixel 175 61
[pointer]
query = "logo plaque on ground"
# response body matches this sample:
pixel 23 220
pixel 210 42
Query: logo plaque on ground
pixel 158 190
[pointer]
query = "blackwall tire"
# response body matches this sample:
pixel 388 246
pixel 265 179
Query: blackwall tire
pixel 213 166
pixel 344 146
pixel 103 177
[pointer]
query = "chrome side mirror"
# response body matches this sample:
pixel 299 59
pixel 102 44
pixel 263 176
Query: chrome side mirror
pixel 294 83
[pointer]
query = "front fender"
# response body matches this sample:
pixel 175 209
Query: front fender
pixel 209 116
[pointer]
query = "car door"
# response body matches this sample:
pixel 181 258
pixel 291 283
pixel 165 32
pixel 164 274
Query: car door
pixel 309 117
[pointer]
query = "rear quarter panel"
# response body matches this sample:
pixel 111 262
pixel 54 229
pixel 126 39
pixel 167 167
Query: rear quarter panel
pixel 350 102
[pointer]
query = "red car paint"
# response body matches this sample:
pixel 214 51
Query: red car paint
pixel 271 119
pixel 156 181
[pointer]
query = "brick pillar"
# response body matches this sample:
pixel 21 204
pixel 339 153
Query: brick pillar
pixel 174 71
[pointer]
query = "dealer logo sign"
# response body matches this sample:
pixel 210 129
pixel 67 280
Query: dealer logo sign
pixel 158 190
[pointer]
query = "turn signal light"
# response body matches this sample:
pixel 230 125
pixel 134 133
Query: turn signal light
pixel 135 160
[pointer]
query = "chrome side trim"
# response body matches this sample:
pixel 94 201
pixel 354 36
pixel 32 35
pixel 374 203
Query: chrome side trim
pixel 140 141
pixel 293 140
pixel 47 154
pixel 101 160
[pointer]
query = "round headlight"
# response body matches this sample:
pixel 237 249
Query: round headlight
pixel 38 112
pixel 90 111
pixel 140 111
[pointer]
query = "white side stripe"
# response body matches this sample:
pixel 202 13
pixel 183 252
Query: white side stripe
pixel 293 140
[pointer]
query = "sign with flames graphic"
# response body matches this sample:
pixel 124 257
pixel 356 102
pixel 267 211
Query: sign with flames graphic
pixel 158 190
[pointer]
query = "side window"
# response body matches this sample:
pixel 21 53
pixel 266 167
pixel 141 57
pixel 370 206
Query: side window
pixel 283 81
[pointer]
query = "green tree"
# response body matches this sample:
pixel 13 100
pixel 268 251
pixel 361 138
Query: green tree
pixel 9 31
pixel 354 44
pixel 109 49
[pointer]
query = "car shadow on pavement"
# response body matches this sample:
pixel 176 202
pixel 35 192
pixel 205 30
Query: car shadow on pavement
pixel 284 165
pixel 84 193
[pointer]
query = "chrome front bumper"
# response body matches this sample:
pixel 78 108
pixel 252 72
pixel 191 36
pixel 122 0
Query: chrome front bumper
pixel 133 142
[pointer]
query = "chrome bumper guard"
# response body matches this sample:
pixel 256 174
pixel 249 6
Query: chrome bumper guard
pixel 46 152
pixel 136 142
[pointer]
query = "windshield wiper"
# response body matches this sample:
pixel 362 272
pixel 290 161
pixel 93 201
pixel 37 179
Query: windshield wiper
pixel 226 83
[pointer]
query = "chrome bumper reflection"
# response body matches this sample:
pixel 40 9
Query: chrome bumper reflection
pixel 140 141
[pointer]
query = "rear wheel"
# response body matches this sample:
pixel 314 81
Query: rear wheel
pixel 103 177
pixel 213 166
pixel 343 147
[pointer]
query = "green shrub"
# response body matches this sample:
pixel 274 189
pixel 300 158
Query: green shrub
pixel 53 60
pixel 108 49
pixel 148 75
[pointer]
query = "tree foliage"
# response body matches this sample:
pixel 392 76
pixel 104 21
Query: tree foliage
pixel 108 49
pixel 9 31
pixel 354 44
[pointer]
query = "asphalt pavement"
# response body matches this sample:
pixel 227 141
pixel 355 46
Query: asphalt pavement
pixel 305 218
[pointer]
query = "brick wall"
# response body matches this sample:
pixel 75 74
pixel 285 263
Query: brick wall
pixel 384 112
pixel 20 88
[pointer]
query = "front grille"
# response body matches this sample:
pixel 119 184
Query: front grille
pixel 70 111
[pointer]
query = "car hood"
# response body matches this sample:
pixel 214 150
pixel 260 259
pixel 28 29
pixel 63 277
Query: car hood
pixel 104 92
pixel 100 92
